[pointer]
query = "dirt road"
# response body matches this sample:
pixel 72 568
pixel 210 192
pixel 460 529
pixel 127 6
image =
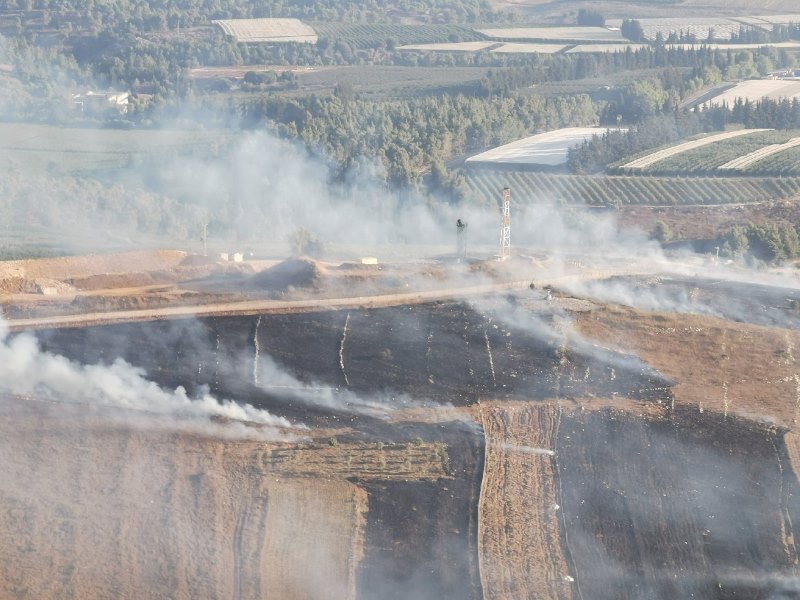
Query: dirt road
pixel 254 307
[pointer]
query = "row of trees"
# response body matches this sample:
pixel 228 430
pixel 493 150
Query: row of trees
pixel 408 137
pixel 665 128
pixel 769 242
pixel 138 16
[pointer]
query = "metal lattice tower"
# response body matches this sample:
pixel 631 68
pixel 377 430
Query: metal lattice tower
pixel 505 226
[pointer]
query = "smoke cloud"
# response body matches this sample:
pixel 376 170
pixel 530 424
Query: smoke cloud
pixel 26 370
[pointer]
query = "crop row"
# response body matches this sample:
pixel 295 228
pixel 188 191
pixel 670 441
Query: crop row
pixel 365 35
pixel 648 160
pixel 707 159
pixel 530 186
pixel 785 162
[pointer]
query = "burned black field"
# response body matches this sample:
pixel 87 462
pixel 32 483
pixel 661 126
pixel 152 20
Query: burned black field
pixel 655 501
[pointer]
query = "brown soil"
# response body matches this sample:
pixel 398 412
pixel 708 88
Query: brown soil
pixel 89 510
pixel 519 537
pixel 122 280
pixel 731 368
pixel 74 267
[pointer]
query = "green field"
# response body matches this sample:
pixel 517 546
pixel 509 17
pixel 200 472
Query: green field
pixel 605 190
pixel 85 151
pixel 707 159
pixel 390 82
pixel 363 35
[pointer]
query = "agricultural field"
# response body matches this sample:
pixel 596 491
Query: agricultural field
pixel 757 89
pixel 543 150
pixel 268 30
pixel 782 164
pixel 650 158
pixel 555 34
pixel 73 151
pixel 387 81
pixel 741 163
pixel 532 186
pixel 600 88
pixel 714 46
pixel 370 35
pixel 588 48
pixel 721 28
pixel 710 158
pixel 450 47
pixel 515 48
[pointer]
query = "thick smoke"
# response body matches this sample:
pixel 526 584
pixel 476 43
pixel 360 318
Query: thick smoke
pixel 26 370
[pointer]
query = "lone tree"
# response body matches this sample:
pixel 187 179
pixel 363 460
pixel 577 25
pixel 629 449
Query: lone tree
pixel 661 232
pixel 304 242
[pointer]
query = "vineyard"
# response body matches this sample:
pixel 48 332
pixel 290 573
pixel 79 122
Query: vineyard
pixel 784 163
pixel 643 162
pixel 531 186
pixel 363 35
pixel 760 153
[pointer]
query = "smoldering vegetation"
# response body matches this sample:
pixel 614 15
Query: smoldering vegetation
pixel 27 370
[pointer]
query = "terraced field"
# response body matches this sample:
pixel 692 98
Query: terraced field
pixel 532 186
pixel 748 159
pixel 650 159
pixel 710 158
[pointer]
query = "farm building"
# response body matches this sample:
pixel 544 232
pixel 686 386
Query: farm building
pixel 268 30
pixel 97 102
pixel 545 150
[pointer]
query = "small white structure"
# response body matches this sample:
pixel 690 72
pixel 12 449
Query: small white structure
pixel 238 257
pixel 95 102
pixel 223 256
pixel 368 260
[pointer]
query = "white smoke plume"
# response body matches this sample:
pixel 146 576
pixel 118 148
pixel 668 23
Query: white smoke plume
pixel 26 370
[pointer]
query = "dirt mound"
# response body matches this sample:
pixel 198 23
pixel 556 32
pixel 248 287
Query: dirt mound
pixel 292 273
pixel 42 285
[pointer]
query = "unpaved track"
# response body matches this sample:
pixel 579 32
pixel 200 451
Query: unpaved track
pixel 519 540
pixel 255 307
pixel 259 307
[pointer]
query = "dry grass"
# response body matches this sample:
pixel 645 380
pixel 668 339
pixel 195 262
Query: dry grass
pixel 719 365
pixel 92 510
pixel 757 89
pixel 519 539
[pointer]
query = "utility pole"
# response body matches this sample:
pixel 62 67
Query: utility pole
pixel 205 239
pixel 461 239
pixel 505 225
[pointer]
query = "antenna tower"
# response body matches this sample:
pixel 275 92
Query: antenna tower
pixel 505 225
